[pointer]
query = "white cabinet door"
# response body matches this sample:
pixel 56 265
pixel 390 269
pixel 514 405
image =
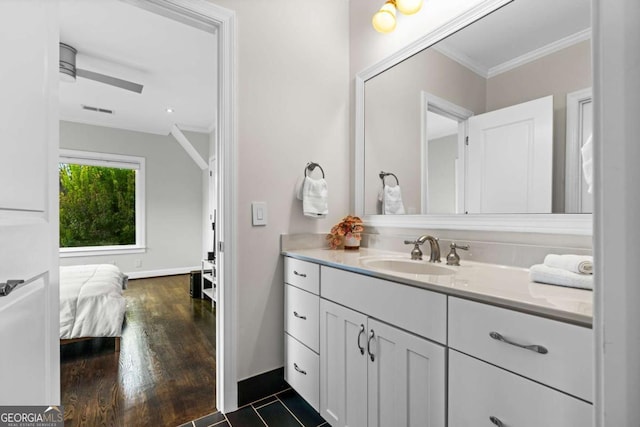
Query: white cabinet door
pixel 481 394
pixel 510 159
pixel 29 373
pixel 343 367
pixel 406 379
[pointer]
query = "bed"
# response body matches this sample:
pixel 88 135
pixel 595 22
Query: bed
pixel 91 302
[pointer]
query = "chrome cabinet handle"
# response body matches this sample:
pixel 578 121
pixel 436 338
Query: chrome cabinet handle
pixel 6 288
pixel 299 274
pixel 359 335
pixel 496 421
pixel 536 348
pixel 372 335
pixel 295 366
pixel 295 313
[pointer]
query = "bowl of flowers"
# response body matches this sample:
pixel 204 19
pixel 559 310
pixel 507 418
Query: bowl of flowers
pixel 347 233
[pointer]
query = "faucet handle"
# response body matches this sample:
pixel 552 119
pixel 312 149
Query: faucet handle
pixel 455 246
pixel 416 253
pixel 412 242
pixel 453 258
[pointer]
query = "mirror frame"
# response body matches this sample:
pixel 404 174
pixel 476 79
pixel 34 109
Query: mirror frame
pixel 574 224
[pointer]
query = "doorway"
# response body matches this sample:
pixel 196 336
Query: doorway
pixel 444 134
pixel 204 16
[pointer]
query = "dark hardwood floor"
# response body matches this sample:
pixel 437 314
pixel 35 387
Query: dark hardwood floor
pixel 164 374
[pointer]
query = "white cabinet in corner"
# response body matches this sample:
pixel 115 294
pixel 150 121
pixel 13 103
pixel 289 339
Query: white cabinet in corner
pixel 301 370
pixel 373 374
pixel 301 289
pixel 553 353
pixel 534 368
pixel 481 394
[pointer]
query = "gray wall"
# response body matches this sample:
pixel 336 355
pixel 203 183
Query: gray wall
pixel 293 103
pixel 442 174
pixel 173 194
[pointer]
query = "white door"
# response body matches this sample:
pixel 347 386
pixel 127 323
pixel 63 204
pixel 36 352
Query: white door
pixel 510 159
pixel 29 318
pixel 343 366
pixel 406 379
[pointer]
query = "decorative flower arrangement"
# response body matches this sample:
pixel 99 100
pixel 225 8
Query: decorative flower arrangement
pixel 349 227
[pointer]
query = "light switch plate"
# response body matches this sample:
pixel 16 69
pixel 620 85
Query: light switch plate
pixel 259 213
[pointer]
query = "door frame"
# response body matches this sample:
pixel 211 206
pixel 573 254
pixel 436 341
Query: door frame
pixel 616 108
pixel 210 17
pixel 573 163
pixel 435 104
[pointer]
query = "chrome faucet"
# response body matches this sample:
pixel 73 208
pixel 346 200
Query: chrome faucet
pixel 416 253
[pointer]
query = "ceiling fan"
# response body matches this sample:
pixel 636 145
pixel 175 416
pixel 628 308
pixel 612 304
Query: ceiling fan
pixel 68 71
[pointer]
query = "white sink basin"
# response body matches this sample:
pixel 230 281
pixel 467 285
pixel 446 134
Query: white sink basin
pixel 407 266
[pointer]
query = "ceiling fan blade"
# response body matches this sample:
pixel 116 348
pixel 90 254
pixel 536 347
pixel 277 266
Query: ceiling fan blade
pixel 113 81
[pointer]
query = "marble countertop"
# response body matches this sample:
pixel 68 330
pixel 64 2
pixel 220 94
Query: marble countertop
pixel 503 286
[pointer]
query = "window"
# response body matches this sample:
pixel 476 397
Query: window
pixel 101 203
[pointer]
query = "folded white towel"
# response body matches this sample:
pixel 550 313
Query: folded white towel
pixel 391 198
pixel 315 196
pixel 582 264
pixel 556 276
pixel 587 163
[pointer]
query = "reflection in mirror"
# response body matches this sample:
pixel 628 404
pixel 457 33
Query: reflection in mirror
pixel 441 153
pixel 489 120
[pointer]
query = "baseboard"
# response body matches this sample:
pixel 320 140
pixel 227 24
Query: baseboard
pixel 260 386
pixel 158 273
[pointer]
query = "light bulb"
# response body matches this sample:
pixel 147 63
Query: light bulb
pixel 408 7
pixel 384 21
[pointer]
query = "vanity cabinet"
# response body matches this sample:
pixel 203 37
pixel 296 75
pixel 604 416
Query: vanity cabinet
pixel 481 394
pixel 364 351
pixel 301 337
pixel 373 373
pixel 517 369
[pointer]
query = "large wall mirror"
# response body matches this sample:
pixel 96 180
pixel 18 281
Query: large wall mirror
pixel 486 119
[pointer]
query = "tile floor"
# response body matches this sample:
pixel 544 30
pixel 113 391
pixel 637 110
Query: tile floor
pixel 284 409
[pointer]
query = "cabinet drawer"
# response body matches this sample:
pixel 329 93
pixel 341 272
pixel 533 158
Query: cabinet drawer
pixel 413 309
pixel 479 391
pixel 567 365
pixel 301 317
pixel 302 370
pixel 303 274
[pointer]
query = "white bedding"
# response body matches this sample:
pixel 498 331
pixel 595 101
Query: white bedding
pixel 91 301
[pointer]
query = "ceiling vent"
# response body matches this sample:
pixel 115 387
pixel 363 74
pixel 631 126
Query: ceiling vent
pixel 96 109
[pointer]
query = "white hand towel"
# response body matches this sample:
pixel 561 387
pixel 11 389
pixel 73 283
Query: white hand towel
pixel 582 264
pixel 556 276
pixel 315 197
pixel 392 201
pixel 299 187
pixel 587 163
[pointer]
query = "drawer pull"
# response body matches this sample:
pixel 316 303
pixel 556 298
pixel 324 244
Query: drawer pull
pixel 295 366
pixel 299 274
pixel 295 313
pixel 372 335
pixel 536 348
pixel 496 421
pixel 359 335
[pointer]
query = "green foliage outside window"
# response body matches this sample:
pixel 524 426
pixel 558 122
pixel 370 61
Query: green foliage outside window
pixel 97 206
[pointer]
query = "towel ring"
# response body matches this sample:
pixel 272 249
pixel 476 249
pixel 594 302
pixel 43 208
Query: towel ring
pixel 383 175
pixel 311 167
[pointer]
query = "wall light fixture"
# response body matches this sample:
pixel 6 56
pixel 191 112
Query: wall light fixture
pixel 384 20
